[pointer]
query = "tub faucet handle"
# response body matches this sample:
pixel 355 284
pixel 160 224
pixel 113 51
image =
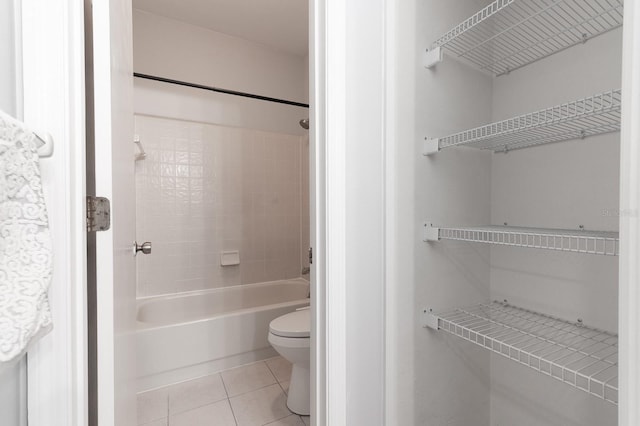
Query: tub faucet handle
pixel 145 247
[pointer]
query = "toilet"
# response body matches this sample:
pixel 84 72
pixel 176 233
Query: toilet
pixel 289 336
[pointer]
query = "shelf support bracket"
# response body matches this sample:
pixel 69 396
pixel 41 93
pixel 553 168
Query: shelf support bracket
pixel 430 232
pixel 429 319
pixel 432 57
pixel 430 146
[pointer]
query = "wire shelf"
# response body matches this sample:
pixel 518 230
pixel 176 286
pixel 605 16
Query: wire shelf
pixel 582 357
pixel 509 34
pixel 590 116
pixel 577 241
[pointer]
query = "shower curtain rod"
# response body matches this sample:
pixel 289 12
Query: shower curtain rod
pixel 216 89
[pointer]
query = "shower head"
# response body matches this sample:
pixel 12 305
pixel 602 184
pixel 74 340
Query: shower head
pixel 304 123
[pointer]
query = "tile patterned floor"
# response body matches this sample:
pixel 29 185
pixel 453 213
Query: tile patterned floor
pixel 251 395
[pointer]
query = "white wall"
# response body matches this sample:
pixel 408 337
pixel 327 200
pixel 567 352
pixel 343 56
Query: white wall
pixel 402 70
pixel 560 185
pixel 439 381
pixel 173 49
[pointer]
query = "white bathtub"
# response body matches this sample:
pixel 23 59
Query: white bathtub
pixel 188 335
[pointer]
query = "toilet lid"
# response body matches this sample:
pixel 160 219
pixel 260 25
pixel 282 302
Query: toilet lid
pixel 295 324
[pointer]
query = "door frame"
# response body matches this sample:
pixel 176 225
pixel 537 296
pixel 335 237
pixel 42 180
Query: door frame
pixel 350 73
pixel 53 40
pixel 328 220
pixel 54 102
pixel 629 267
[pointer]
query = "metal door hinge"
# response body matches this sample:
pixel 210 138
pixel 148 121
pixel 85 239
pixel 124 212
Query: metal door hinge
pixel 98 214
pixel 310 255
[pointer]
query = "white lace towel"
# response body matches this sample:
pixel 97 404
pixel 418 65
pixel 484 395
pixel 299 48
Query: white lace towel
pixel 25 243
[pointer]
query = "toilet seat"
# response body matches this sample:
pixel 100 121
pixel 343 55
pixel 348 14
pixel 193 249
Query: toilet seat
pixel 295 324
pixel 289 343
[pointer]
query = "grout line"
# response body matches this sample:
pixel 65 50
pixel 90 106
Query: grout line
pixel 199 406
pixel 224 385
pixel 284 391
pixel 202 406
pixel 169 413
pixel 271 371
pixel 263 387
pixel 253 390
pixel 291 413
pixel 154 421
pixel 247 364
pixel 167 416
pixel 274 374
pixel 233 413
pixel 228 397
pixel 278 380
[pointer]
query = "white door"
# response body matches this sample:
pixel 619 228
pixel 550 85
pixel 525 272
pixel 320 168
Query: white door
pixel 114 171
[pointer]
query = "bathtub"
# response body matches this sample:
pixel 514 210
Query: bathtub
pixel 188 335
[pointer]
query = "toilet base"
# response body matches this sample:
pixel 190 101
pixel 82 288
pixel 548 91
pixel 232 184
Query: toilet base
pixel 299 395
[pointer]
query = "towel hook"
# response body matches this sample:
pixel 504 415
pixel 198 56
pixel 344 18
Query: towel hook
pixel 45 144
pixel 142 154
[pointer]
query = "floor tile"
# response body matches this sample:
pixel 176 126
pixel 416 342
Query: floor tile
pixel 306 420
pixel 292 420
pixel 247 378
pixel 216 414
pixel 196 393
pixel 152 405
pixel 285 387
pixel 280 367
pixel 159 422
pixel 261 406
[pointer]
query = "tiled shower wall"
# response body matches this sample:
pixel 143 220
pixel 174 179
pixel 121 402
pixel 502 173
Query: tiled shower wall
pixel 206 188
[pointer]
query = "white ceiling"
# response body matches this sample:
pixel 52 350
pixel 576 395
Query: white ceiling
pixel 282 24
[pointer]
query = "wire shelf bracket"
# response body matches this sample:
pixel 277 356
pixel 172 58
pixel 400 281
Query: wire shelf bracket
pixel 430 232
pixel 585 358
pixel 510 34
pixel 594 115
pixel 432 57
pixel 430 146
pixel 577 241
